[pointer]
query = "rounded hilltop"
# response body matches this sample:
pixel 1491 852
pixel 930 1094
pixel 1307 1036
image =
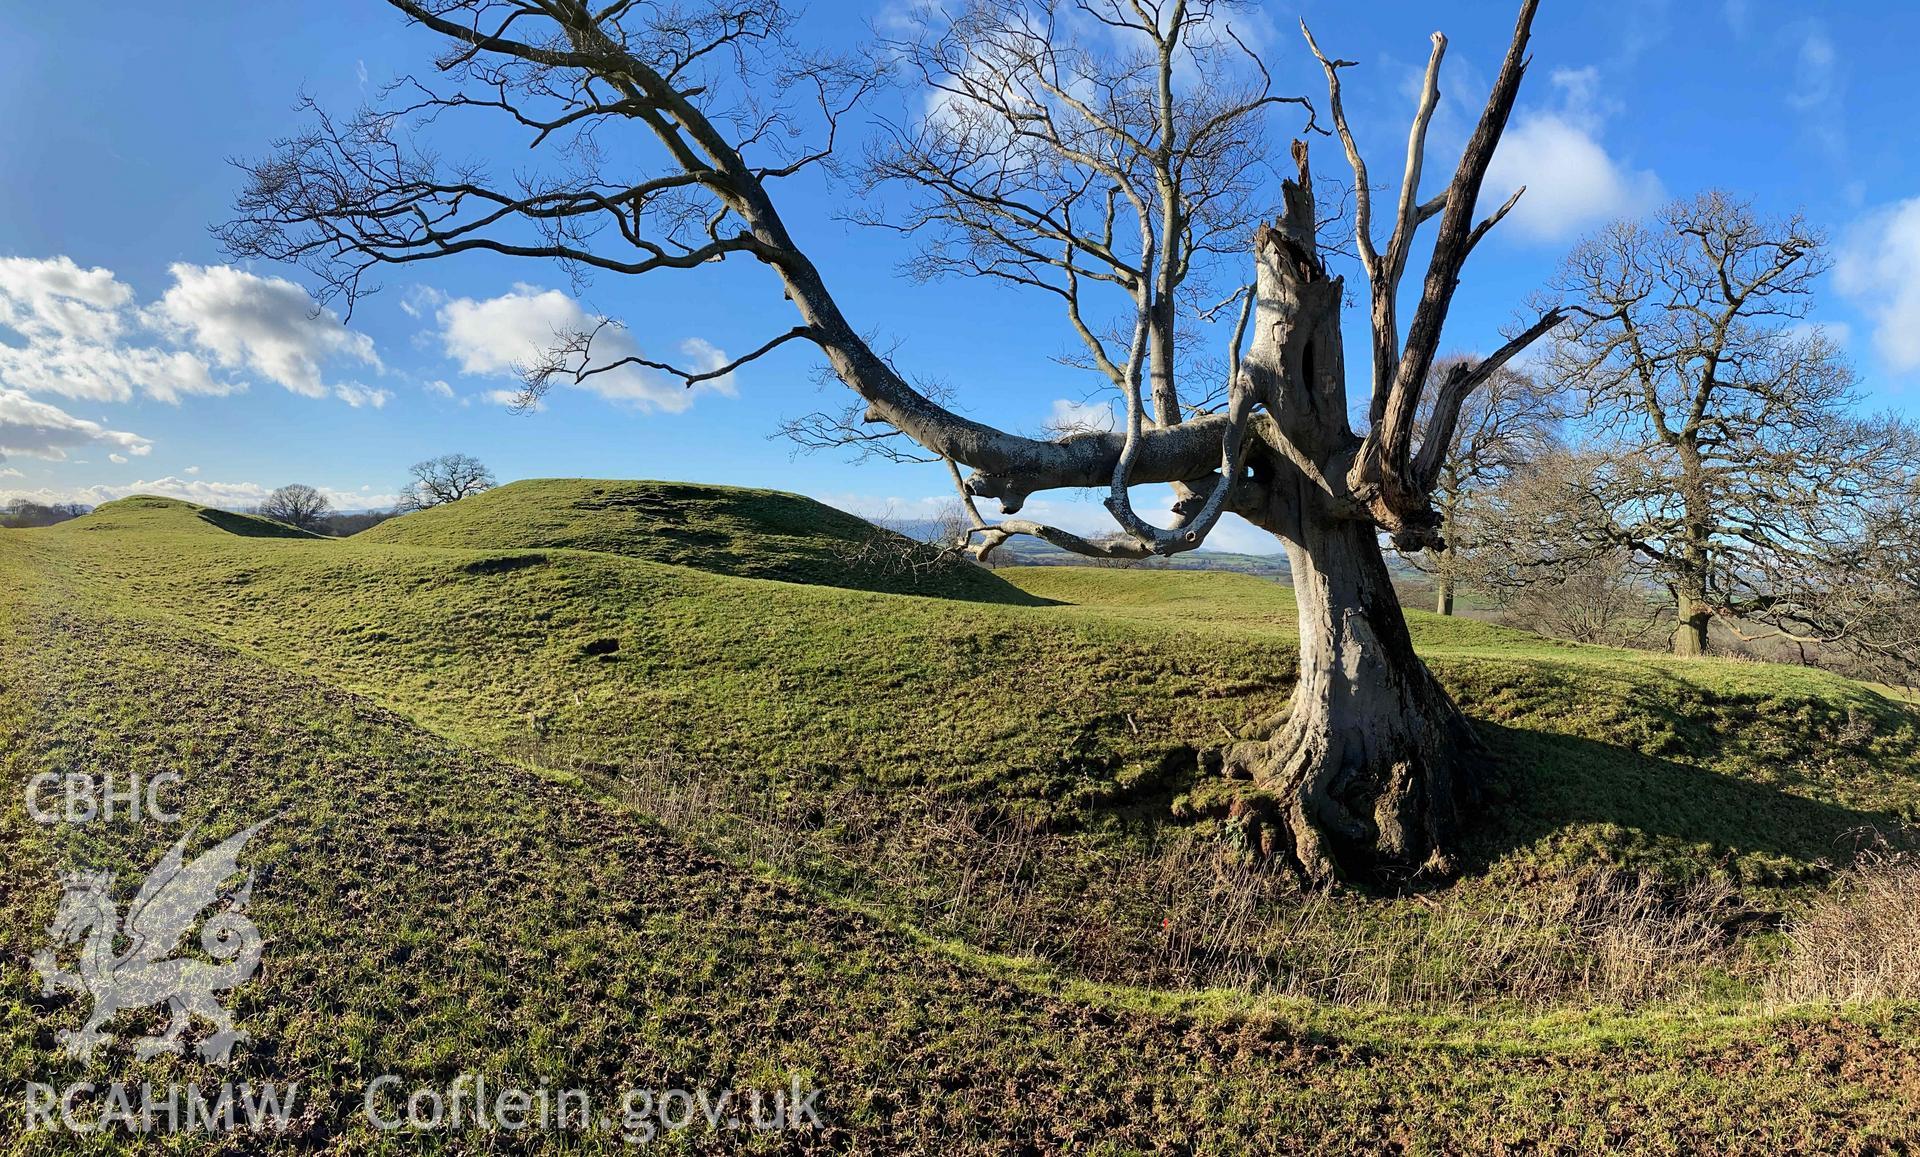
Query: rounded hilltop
pixel 728 530
pixel 150 512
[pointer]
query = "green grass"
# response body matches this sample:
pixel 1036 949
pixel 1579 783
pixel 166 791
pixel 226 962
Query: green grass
pixel 465 879
pixel 1083 711
pixel 720 529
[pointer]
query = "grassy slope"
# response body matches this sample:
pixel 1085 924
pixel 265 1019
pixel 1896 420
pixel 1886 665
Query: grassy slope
pixel 110 664
pixel 1774 765
pixel 1046 709
pixel 720 529
pixel 1055 713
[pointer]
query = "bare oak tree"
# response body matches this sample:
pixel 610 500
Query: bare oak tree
pixel 448 478
pixel 1369 769
pixel 296 504
pixel 1735 461
pixel 1550 564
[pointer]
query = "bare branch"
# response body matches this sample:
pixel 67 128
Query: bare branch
pixel 1495 218
pixel 1407 218
pixel 1459 385
pixel 571 357
pixel 1384 470
pixel 1362 186
pixel 995 534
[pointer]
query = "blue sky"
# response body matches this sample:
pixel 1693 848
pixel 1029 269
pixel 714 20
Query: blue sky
pixel 132 359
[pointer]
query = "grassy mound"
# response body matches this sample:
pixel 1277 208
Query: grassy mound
pixel 144 513
pixel 722 529
pixel 992 886
pixel 856 738
pixel 433 911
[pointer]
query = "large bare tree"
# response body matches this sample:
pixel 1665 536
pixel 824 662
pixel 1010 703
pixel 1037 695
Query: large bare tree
pixel 1735 463
pixel 296 504
pixel 1369 769
pixel 1868 590
pixel 447 478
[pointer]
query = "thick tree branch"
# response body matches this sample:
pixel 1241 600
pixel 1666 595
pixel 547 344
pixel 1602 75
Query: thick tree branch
pixel 1459 385
pixel 1383 471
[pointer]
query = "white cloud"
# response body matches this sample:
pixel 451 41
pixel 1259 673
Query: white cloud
pixel 498 334
pixel 267 325
pixel 494 337
pixel 421 300
pixel 10 472
pixel 1879 270
pixel 1572 181
pixel 1580 92
pixel 1837 333
pixel 192 470
pixel 900 19
pixel 72 325
pixel 117 459
pixel 703 357
pixel 511 399
pixel 80 334
pixel 356 395
pixel 224 495
pixel 438 388
pixel 1815 75
pixel 37 429
pixel 1070 417
pixel 53 297
pixel 1817 95
pixel 101 372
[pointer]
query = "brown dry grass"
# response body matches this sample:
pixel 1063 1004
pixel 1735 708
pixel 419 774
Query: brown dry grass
pixel 1185 912
pixel 1861 942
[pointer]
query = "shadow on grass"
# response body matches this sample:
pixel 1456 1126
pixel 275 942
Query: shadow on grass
pixel 961 582
pixel 248 526
pixel 1548 784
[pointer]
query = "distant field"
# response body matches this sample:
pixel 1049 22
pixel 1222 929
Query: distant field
pixel 602 777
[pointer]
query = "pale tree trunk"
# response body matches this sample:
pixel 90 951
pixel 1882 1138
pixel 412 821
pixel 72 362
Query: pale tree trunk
pixel 1691 613
pixel 1690 628
pixel 1443 560
pixel 1160 368
pixel 1366 773
pixel 1370 770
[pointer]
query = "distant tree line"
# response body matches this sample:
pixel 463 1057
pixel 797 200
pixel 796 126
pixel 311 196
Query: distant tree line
pixel 430 482
pixel 18 513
